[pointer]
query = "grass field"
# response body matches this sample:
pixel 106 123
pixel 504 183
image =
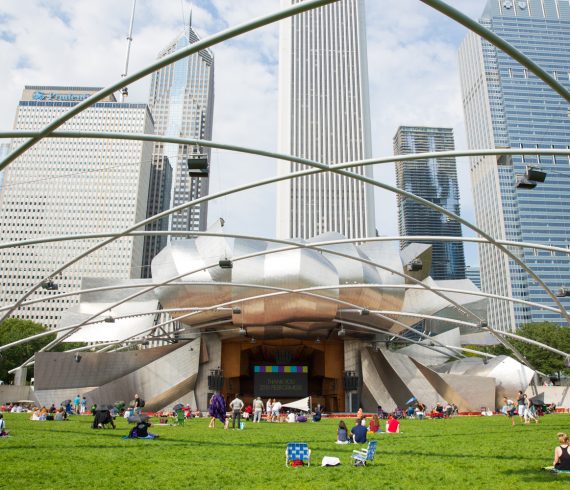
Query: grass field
pixel 464 452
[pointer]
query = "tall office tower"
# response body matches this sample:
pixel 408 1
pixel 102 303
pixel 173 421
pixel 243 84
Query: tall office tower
pixel 506 106
pixel 435 180
pixel 182 103
pixel 4 150
pixel 324 116
pixel 64 186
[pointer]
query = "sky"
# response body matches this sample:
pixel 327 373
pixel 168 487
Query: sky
pixel 412 66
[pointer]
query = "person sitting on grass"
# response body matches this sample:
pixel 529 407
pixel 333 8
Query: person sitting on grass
pixel 60 415
pixel 358 432
pixel 141 431
pixel 392 425
pixel 561 453
pixel 375 424
pixel 317 416
pixel 342 433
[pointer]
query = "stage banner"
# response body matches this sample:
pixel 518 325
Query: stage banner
pixel 281 381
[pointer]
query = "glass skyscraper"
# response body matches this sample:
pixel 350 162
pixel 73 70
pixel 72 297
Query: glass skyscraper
pixel 324 116
pixel 435 180
pixel 182 103
pixel 506 106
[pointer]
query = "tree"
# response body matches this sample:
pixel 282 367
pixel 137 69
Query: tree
pixel 550 334
pixel 540 359
pixel 15 329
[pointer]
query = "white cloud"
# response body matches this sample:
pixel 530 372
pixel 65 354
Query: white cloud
pixel 413 76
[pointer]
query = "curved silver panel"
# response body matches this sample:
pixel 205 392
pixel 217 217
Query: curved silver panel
pixel 196 263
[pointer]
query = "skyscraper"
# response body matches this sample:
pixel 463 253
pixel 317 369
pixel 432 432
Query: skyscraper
pixel 4 150
pixel 435 180
pixel 324 116
pixel 182 103
pixel 65 186
pixel 506 106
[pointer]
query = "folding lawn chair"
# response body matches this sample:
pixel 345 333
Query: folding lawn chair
pixel 359 457
pixel 298 451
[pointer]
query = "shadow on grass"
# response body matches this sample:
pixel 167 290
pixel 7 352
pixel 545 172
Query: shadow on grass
pixel 537 475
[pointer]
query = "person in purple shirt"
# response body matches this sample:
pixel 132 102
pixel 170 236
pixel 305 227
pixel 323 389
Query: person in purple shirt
pixel 217 409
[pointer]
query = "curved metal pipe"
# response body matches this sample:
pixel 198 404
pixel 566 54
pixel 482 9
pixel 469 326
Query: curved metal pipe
pixel 337 169
pixel 167 60
pixel 500 43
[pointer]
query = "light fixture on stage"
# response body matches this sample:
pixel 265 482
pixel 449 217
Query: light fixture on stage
pixel 341 332
pixel 242 331
pixel 563 292
pixel 225 264
pixel 49 285
pixel 216 380
pixel 109 319
pixel 236 310
pixel 252 340
pixel 483 324
pixel 415 265
pixel 350 380
pixel 198 166
pixel 317 340
pixel 364 312
pixel 77 358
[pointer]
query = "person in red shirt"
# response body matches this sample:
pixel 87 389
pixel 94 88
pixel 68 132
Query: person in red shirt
pixel 392 425
pixel 374 424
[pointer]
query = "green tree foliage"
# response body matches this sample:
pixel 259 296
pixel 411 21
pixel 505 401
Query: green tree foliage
pixel 550 334
pixel 543 360
pixel 15 329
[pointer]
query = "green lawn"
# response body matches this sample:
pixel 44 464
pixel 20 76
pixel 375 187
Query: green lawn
pixel 464 452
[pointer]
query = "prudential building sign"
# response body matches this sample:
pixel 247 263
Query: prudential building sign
pixel 37 95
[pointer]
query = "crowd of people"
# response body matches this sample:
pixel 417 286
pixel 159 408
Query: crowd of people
pixel 238 412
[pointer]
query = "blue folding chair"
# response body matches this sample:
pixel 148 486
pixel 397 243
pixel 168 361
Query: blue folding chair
pixel 298 451
pixel 361 456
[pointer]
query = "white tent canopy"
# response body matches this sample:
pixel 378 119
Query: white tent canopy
pixel 303 404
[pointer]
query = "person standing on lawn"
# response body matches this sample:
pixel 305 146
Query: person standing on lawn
pixel 76 403
pixel 257 409
pixel 521 405
pixel 217 409
pixel 509 409
pixel 236 405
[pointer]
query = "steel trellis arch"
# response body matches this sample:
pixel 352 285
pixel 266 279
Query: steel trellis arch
pixel 456 15
pixel 335 168
pixel 167 60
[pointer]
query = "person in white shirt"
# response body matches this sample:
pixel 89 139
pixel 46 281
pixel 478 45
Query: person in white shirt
pixel 291 417
pixel 257 409
pixel 275 411
pixel 269 409
pixel 236 405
